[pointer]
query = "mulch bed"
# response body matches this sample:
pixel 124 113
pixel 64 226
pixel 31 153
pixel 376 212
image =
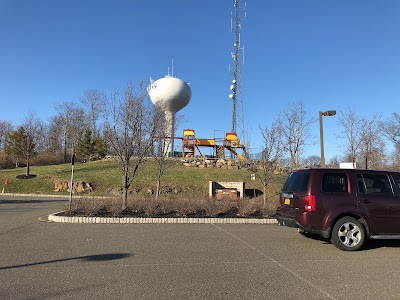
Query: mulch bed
pixel 128 213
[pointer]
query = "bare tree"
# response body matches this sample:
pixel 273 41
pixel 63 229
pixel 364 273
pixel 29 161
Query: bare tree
pixel 364 144
pixel 272 152
pixel 41 137
pixel 56 137
pixel 312 161
pixel 71 119
pixel 77 128
pixel 93 99
pixel 129 132
pixel 391 129
pixel 372 144
pixel 295 127
pixel 335 161
pixel 351 132
pixel 32 126
pixel 64 111
pixel 5 128
pixel 162 144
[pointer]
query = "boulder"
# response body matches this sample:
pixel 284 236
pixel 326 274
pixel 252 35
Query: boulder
pixel 60 185
pixel 78 187
pixel 82 187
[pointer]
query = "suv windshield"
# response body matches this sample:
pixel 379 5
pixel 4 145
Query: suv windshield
pixel 296 182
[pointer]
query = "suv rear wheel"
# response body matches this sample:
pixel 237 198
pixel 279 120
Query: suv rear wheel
pixel 348 234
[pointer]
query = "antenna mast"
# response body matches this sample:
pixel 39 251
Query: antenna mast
pixel 238 60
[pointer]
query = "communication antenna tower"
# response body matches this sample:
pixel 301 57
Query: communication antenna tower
pixel 238 61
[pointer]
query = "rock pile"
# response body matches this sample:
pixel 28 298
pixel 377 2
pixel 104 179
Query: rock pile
pixel 77 187
pixel 221 163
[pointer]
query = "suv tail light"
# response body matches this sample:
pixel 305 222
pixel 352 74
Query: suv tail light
pixel 310 203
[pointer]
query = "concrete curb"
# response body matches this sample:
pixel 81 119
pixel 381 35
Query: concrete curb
pixel 66 197
pixel 98 220
pixel 33 195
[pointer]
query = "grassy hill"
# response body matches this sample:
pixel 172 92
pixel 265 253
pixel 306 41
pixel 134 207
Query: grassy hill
pixel 105 176
pixel 186 184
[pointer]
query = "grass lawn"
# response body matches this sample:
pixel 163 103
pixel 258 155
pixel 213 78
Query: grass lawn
pixel 106 174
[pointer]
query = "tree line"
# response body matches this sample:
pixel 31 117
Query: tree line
pixel 128 127
pixel 124 125
pixel 74 129
pixel 91 128
pixel 363 140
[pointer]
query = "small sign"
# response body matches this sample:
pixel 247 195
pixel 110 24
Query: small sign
pixel 253 176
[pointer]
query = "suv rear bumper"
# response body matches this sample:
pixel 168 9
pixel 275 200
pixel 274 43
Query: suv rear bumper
pixel 283 221
pixel 289 222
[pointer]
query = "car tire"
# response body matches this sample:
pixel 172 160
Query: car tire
pixel 348 234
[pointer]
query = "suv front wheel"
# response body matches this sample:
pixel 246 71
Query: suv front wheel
pixel 348 234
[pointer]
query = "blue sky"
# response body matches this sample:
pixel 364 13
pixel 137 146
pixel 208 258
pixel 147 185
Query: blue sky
pixel 328 54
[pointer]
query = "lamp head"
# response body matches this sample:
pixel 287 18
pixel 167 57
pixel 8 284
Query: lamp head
pixel 329 113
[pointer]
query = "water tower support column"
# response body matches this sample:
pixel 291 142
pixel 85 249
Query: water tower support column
pixel 170 133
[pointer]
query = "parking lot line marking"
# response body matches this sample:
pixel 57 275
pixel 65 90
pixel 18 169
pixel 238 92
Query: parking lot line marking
pixel 278 263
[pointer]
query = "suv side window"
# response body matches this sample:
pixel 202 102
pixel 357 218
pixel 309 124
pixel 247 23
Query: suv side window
pixel 361 185
pixel 396 179
pixel 334 183
pixel 374 184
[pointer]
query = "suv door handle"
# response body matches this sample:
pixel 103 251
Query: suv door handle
pixel 366 201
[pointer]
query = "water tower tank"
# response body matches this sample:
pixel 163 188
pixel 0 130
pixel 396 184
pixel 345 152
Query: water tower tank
pixel 171 94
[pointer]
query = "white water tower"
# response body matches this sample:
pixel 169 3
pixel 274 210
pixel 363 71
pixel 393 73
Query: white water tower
pixel 171 94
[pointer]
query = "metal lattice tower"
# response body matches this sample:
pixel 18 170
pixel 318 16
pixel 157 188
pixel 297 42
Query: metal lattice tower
pixel 238 59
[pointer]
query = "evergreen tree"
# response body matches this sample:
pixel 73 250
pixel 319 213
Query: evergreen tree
pixel 86 147
pixel 90 147
pixel 100 147
pixel 20 145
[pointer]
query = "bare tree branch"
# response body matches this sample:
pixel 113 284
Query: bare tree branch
pixel 295 127
pixel 129 132
pixel 94 100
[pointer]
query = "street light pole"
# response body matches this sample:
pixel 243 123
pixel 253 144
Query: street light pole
pixel 321 133
pixel 321 139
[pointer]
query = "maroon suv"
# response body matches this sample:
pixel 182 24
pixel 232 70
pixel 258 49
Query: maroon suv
pixel 344 205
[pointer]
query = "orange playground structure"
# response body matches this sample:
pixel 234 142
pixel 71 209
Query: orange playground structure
pixel 229 142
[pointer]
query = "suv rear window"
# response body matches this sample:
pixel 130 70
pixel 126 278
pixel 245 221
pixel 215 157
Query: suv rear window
pixel 296 182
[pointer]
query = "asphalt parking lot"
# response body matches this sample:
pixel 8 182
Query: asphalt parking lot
pixel 42 260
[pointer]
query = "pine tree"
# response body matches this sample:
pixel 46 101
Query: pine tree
pixel 20 145
pixel 90 147
pixel 86 147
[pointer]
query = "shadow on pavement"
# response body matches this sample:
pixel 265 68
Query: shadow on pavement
pixel 98 257
pixel 370 244
pixel 375 244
